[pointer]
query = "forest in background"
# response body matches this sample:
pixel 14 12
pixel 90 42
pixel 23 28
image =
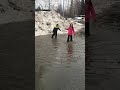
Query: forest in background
pixel 68 8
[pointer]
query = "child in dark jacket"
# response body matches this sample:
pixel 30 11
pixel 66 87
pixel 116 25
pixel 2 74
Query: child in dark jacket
pixel 56 28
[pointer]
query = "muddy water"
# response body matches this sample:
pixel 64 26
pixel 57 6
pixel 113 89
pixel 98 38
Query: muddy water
pixel 60 65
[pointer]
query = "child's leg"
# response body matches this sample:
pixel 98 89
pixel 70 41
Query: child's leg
pixel 52 35
pixel 68 39
pixel 55 34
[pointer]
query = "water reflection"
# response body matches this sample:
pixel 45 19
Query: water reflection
pixel 69 51
pixel 55 43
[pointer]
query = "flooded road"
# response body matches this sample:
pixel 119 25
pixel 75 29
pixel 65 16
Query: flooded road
pixel 60 65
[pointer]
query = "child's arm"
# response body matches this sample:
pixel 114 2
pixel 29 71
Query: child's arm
pixel 73 31
pixel 67 29
pixel 59 29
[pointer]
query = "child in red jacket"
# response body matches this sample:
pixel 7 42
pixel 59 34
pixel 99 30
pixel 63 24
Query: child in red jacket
pixel 70 32
pixel 89 10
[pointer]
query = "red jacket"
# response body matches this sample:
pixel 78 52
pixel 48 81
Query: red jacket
pixel 70 31
pixel 89 10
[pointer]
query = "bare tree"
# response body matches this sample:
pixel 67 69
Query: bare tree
pixel 67 8
pixel 59 9
pixel 77 7
pixel 82 7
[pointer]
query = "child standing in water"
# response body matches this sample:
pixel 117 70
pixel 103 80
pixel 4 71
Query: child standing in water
pixel 56 28
pixel 89 10
pixel 70 32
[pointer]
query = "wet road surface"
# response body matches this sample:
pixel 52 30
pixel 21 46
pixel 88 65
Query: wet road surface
pixel 60 65
pixel 103 51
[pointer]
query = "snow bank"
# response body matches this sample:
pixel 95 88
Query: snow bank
pixel 45 21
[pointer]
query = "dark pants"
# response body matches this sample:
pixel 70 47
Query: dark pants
pixel 54 34
pixel 69 37
pixel 87 29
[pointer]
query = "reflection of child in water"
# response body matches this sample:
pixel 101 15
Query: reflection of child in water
pixel 70 32
pixel 89 10
pixel 69 51
pixel 70 48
